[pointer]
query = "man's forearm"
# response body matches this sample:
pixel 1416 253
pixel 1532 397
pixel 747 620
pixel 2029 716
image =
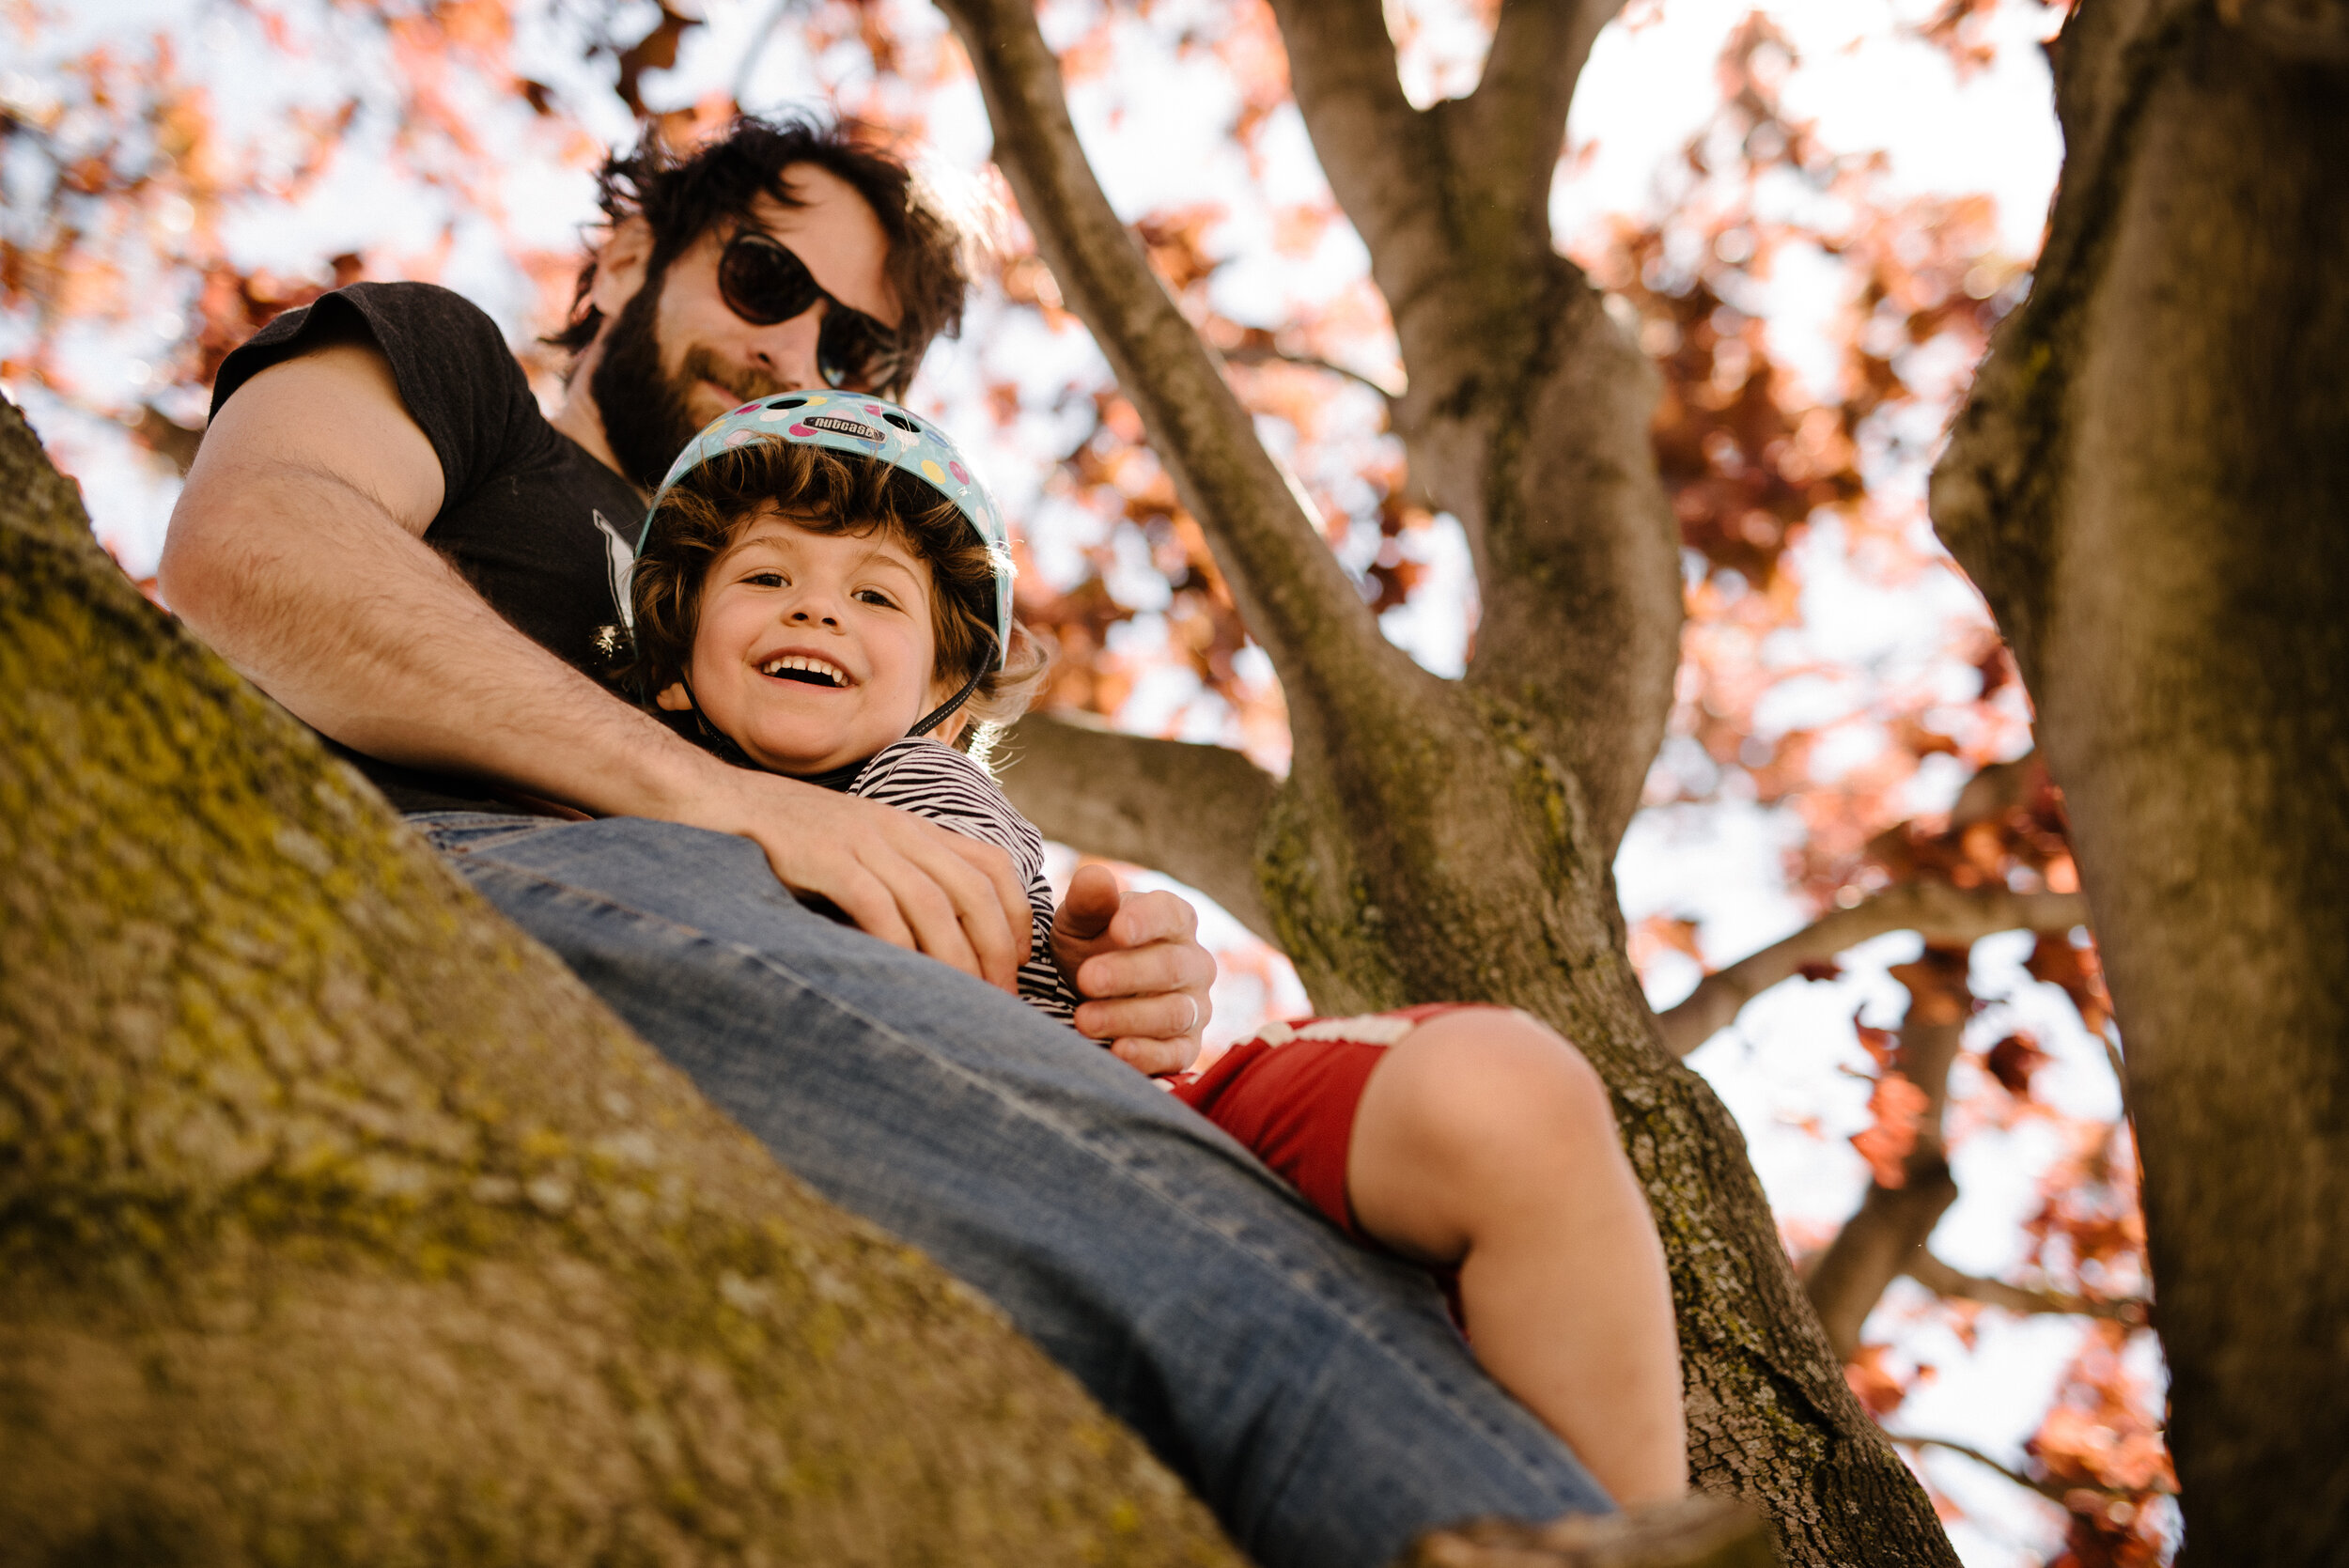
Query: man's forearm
pixel 363 631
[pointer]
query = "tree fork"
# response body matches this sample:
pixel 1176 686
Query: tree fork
pixel 2151 484
pixel 1431 843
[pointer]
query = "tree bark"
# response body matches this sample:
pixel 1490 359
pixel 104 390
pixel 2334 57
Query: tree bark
pixel 340 1223
pixel 1454 840
pixel 2151 485
pixel 1528 410
pixel 1194 811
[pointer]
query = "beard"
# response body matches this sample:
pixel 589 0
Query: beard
pixel 647 412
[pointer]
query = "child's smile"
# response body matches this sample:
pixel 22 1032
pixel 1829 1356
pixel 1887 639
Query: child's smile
pixel 806 668
pixel 812 649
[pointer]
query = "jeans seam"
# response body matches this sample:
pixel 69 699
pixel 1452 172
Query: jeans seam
pixel 1286 1271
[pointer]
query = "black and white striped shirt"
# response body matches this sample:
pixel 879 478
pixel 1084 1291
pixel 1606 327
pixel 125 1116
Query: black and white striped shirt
pixel 934 780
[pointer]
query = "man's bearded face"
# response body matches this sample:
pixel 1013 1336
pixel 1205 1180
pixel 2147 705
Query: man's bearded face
pixel 646 416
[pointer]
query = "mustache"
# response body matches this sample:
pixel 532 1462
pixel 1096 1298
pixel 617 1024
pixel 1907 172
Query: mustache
pixel 701 365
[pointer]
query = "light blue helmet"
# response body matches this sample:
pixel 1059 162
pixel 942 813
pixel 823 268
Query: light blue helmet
pixel 868 427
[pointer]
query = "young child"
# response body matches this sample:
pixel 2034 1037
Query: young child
pixel 822 586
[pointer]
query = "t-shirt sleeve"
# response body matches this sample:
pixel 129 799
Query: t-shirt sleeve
pixel 939 782
pixel 461 384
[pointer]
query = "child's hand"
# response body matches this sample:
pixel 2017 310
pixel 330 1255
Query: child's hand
pixel 1136 958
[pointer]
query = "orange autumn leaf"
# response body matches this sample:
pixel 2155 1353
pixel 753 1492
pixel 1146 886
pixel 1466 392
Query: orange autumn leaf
pixel 1895 1107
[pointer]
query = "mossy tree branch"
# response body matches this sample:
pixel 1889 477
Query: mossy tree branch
pixel 1297 600
pixel 340 1224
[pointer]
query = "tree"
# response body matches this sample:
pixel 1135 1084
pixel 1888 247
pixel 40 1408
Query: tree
pixel 340 1223
pixel 2150 484
pixel 1747 459
pixel 1439 839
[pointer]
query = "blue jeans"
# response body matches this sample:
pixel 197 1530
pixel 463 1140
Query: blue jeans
pixel 1312 1392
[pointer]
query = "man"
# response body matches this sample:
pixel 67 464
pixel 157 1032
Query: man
pixel 383 533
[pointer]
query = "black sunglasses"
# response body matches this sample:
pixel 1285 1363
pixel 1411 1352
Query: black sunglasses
pixel 763 282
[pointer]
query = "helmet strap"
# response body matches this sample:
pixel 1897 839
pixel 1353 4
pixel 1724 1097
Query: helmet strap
pixel 714 740
pixel 945 710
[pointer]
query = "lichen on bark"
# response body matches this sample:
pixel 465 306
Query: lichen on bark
pixel 340 1223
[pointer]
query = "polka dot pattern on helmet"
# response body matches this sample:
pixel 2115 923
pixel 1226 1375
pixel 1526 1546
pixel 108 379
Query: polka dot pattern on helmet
pixel 868 426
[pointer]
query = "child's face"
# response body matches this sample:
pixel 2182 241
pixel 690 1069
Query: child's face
pixel 813 649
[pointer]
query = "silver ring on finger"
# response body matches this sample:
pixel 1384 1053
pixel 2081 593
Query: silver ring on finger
pixel 1193 1025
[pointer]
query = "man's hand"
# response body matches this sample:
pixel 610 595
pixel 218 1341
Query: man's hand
pixel 1136 958
pixel 896 876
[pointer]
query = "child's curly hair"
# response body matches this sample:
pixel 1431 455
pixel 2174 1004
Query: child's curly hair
pixel 827 493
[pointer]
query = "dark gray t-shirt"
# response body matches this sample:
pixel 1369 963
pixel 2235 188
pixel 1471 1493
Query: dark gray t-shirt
pixel 538 526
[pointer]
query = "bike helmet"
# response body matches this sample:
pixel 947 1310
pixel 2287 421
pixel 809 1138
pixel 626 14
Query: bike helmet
pixel 868 427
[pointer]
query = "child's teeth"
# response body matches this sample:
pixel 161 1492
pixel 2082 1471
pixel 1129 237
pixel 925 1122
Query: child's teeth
pixel 832 673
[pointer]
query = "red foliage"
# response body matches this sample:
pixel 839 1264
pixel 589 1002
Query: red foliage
pixel 1893 1105
pixel 2097 1443
pixel 1880 1386
pixel 2060 961
pixel 2008 830
pixel 2012 1062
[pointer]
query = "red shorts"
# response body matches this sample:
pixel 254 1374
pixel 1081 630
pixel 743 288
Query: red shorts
pixel 1289 1095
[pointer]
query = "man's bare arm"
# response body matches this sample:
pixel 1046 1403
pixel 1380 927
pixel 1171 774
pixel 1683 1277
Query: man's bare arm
pixel 297 551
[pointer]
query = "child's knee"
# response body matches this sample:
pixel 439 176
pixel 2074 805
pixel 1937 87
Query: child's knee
pixel 1499 1083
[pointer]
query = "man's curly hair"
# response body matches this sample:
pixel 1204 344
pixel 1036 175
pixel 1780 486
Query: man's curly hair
pixel 681 196
pixel 827 493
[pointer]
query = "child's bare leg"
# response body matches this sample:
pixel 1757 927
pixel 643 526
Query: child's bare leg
pixel 1485 1140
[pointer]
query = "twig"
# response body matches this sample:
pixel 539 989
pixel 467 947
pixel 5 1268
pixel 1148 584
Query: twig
pixel 2055 1491
pixel 1940 1278
pixel 2052 1491
pixel 1259 355
pixel 1943 913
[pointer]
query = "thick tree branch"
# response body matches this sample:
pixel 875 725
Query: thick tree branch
pixel 1876 1246
pixel 1527 414
pixel 2147 485
pixel 2316 32
pixel 1387 170
pixel 1995 490
pixel 1512 126
pixel 1940 1278
pixel 1192 812
pixel 1941 913
pixel 1291 591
